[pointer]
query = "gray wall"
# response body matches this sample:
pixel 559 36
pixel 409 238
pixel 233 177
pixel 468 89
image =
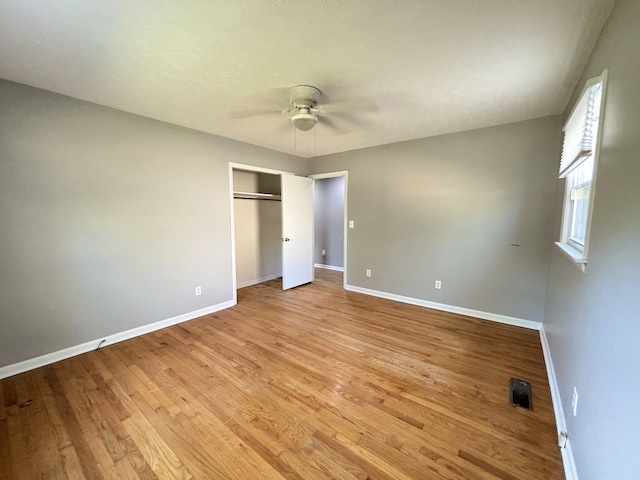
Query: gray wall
pixel 329 221
pixel 108 220
pixel 592 319
pixel 447 208
pixel 258 229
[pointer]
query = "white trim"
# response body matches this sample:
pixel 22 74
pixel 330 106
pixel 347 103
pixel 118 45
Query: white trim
pixel 328 267
pixel 518 322
pixel 345 174
pixel 251 168
pixel 596 162
pixel 574 255
pixel 320 176
pixel 568 462
pixel 232 221
pixel 259 280
pixel 26 365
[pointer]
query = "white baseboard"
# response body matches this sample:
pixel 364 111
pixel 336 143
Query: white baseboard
pixel 518 322
pixel 328 267
pixel 570 471
pixel 258 280
pixel 52 357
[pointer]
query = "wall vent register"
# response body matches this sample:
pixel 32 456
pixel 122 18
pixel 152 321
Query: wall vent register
pixel 520 393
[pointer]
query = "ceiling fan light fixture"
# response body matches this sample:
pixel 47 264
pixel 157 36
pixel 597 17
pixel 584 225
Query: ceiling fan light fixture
pixel 304 121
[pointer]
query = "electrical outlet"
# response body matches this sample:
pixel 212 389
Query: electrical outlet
pixel 324 252
pixel 438 284
pixel 574 402
pixel 562 439
pixel 368 272
pixel 198 291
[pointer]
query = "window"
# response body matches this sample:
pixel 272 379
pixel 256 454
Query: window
pixel 579 186
pixel 578 166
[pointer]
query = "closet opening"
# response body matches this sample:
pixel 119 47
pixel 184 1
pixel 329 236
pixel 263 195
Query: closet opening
pixel 258 226
pixel 271 227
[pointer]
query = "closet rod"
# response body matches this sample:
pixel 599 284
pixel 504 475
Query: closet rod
pixel 257 196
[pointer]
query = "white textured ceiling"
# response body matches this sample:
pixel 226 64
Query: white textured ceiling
pixel 431 66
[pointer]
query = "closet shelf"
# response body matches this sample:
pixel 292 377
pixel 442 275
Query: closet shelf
pixel 257 196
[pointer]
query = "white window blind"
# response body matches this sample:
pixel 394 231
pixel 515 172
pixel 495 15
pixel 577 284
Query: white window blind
pixel 581 129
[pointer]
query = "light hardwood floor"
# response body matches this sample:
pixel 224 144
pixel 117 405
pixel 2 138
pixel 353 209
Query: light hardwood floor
pixel 311 383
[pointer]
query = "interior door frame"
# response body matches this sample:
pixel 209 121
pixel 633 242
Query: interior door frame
pixel 345 174
pixel 248 168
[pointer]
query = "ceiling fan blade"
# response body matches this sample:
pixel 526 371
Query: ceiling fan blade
pixel 353 118
pixel 255 113
pixel 357 104
pixel 338 127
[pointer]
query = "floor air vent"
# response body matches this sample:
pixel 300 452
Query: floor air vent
pixel 520 393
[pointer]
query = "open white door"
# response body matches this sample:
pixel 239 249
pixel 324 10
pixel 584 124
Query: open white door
pixel 297 231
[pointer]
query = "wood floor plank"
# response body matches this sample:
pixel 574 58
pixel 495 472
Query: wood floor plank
pixel 68 456
pixel 64 405
pixel 150 442
pixel 6 465
pixel 93 414
pixel 40 434
pixel 17 416
pixel 312 383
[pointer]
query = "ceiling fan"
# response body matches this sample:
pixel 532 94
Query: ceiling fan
pixel 305 109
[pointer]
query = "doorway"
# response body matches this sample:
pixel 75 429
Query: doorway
pixel 330 221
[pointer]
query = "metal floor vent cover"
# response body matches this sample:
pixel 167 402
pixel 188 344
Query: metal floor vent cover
pixel 520 393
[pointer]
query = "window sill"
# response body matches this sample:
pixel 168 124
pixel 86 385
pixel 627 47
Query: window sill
pixel 576 256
